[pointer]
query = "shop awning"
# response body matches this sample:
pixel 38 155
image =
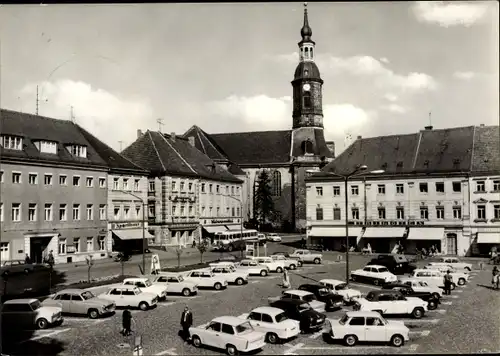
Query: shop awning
pixel 426 233
pixel 214 229
pixel 234 227
pixel 132 234
pixel 384 232
pixel 334 231
pixel 488 238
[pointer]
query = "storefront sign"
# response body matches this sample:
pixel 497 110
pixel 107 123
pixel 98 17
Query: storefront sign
pixel 117 226
pixel 222 221
pixel 388 223
pixel 70 249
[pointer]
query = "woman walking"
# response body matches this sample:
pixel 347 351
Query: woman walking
pixel 495 280
pixel 286 279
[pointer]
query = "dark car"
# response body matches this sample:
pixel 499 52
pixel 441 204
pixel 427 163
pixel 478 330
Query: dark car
pixel 324 294
pixel 397 264
pixel 310 320
pixel 408 291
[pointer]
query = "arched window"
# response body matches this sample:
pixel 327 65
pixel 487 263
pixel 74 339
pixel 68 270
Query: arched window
pixel 276 183
pixel 307 147
pixel 311 52
pixel 307 99
pixel 307 53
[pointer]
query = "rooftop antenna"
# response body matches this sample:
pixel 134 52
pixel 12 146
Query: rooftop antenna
pixel 430 118
pixel 160 124
pixel 121 145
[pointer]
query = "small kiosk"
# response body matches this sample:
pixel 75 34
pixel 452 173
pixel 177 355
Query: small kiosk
pixel 252 248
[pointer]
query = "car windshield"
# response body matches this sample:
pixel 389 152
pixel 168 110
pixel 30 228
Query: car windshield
pixel 423 284
pixel 343 320
pixel 244 328
pixel 148 283
pixel 341 286
pixel 281 317
pixel 87 295
pixel 370 296
pixel 309 298
pixel 304 307
pixel 180 278
pixel 35 305
pixel 324 291
pixel 383 270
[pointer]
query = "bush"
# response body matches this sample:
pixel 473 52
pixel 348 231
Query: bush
pixel 196 265
pixel 96 282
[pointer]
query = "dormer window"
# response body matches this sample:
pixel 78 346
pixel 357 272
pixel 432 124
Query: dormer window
pixel 12 142
pixel 46 146
pixel 77 150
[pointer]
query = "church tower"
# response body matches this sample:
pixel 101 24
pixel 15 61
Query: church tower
pixel 309 149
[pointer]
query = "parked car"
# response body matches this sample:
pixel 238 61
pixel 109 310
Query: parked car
pixel 274 323
pixel 288 257
pixel 253 268
pixel 455 262
pixel 309 319
pixel 460 278
pixel 397 264
pixel 422 286
pixel 231 274
pixel 130 296
pixel 80 301
pixel 230 333
pixel 341 288
pixel 304 296
pixel 15 267
pixel 176 284
pixel 432 277
pixel 408 291
pixel 375 274
pixel 147 286
pixel 28 314
pixel 306 256
pixel 366 326
pixel 273 237
pixel 273 265
pixel 289 263
pixel 324 294
pixel 389 302
pixel 206 279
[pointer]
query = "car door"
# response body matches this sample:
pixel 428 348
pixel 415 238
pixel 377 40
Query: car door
pixel 212 336
pixel 375 330
pixel 173 285
pixel 357 327
pixel 255 320
pixel 195 277
pixel 400 304
pixel 129 298
pixel 116 296
pixel 267 322
pixel 385 302
pixel 77 304
pixel 65 302
pixel 227 336
pixel 367 275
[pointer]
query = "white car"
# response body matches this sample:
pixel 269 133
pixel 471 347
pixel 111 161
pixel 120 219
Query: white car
pixel 176 284
pixel 433 277
pixel 27 314
pixel 273 237
pixel 422 286
pixel 306 256
pixel 206 279
pixel 341 288
pixel 391 302
pixel 274 323
pixel 253 268
pixel 230 274
pixel 288 262
pixel 458 277
pixel 454 262
pixel 130 296
pixel 228 333
pixel 373 274
pixel 365 326
pixel 274 265
pixel 306 297
pixel 147 286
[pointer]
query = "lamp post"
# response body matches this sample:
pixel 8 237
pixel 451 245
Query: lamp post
pixel 358 171
pixel 241 217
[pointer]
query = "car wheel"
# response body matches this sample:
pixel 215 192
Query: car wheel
pixel 279 270
pixel 240 281
pixel 263 273
pixel 461 281
pixel 353 278
pixel 436 296
pixel 317 261
pixel 42 323
pixel 292 267
pixel 272 338
pixel 376 282
pixel 93 314
pixel 143 306
pixel 231 350
pixel 299 263
pixel 196 341
pixel 468 269
pixel 350 340
pixel 26 271
pixel 217 286
pixel 417 313
pixel 186 292
pixel 431 305
pixel 453 286
pixel 397 340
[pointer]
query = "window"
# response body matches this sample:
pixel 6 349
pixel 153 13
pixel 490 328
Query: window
pixel 16 177
pixel 218 211
pixel 136 185
pixel 1 211
pixel 78 150
pixel 32 212
pixel 319 191
pixel 496 186
pixel 137 211
pixel 457 187
pixel 381 213
pixel 46 146
pixel 439 187
pixel 174 186
pixel 48 212
pixel 47 179
pixel 182 186
pixel 102 243
pixel 76 181
pixel 116 212
pixel 76 244
pixel 496 212
pixel 400 213
pixel 1 176
pixel 354 190
pixel 381 188
pixel 357 321
pixel 336 191
pixel 90 212
pixel 440 212
pixel 355 213
pixel 152 210
pixel 307 100
pixel 12 143
pixel 182 210
pixel 63 212
pixel 89 182
pixel 102 212
pixel 233 211
pixel 424 213
pixel 33 178
pixel 275 183
pixel 203 187
pixel 63 179
pixel 307 147
pixel 480 186
pixel 238 211
pixel 217 189
pixel 102 182
pixel 400 188
pixel 232 189
pixel 126 212
pixel 210 211
pixel 62 246
pixel 481 212
pixel 174 209
pixel 116 183
pixel 76 211
pixel 336 213
pixel 423 188
pixel 125 184
pixel 190 187
pixel 210 186
pixel 151 186
pixel 319 213
pixel 16 212
pixel 457 212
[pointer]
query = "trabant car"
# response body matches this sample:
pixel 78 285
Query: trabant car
pixel 253 268
pixel 273 237
pixel 130 296
pixel 432 276
pixel 309 319
pixel 176 284
pixel 27 314
pixel 390 302
pixel 324 294
pixel 230 274
pixel 206 279
pixel 408 291
pixel 80 301
pixel 15 267
pixel 375 274
pixel 147 286
pixel 274 265
pixel 454 262
pixel 304 296
pixel 306 256
pixel 341 288
pixel 458 277
pixel 289 263
pixel 421 286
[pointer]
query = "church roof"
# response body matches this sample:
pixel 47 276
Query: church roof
pixel 312 71
pixel 486 152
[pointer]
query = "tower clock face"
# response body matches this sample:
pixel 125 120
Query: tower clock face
pixel 306 87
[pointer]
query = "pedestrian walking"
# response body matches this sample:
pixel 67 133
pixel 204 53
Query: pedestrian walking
pixel 27 259
pixel 447 282
pixel 186 323
pixel 126 323
pixel 495 278
pixel 286 279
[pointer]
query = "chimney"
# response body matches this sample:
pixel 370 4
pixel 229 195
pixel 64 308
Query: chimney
pixel 191 140
pixel 481 125
pixel 172 136
pixel 139 133
pixel 428 128
pixel 359 137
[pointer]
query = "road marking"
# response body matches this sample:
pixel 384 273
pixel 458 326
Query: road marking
pixel 459 291
pixel 413 347
pixel 410 321
pixel 170 351
pixel 253 282
pixel 167 304
pixel 316 334
pixel 440 311
pixel 123 345
pixel 420 333
pixel 292 349
pixel 371 347
pixel 53 333
pixel 447 303
pixel 452 296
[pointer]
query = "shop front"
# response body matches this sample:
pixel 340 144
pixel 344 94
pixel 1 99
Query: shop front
pixel 424 237
pixel 129 237
pixel 333 238
pixel 382 239
pixel 212 226
pixel 486 241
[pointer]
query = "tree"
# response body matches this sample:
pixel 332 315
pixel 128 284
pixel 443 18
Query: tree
pixel 264 205
pixel 178 252
pixel 90 262
pixel 202 247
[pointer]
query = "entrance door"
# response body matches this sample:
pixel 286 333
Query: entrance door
pixel 451 242
pixel 38 247
pixel 4 251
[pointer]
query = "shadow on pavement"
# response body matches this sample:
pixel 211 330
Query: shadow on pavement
pixel 487 287
pixel 14 343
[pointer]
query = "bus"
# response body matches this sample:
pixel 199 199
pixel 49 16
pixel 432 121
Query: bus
pixel 234 239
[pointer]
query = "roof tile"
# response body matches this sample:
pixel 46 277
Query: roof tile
pixel 486 154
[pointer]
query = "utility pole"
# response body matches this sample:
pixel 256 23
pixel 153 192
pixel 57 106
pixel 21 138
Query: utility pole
pixel 160 124
pixel 36 100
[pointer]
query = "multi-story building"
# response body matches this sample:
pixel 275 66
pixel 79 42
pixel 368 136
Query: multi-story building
pixel 54 178
pixel 421 199
pixel 187 191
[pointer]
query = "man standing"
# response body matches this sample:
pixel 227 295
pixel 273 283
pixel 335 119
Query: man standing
pixel 126 322
pixel 447 282
pixel 186 323
pixel 27 259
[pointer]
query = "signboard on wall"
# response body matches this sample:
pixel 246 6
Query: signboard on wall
pixel 125 225
pixel 222 221
pixel 388 223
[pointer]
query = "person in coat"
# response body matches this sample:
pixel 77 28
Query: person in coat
pixel 447 282
pixel 186 323
pixel 27 259
pixel 286 279
pixel 126 322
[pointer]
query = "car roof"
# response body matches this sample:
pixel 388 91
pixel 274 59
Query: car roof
pixel 135 279
pixel 384 291
pixel 376 266
pixel 426 270
pixel 331 281
pixel 268 310
pixel 361 313
pixel 297 292
pixel 310 285
pixel 169 274
pixel 71 290
pixel 229 320
pixel 289 301
pixel 21 301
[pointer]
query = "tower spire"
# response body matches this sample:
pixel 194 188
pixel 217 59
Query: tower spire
pixel 306 31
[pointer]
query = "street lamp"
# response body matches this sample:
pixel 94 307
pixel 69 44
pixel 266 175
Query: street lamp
pixel 241 218
pixel 358 171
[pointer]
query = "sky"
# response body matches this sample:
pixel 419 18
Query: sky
pixel 387 67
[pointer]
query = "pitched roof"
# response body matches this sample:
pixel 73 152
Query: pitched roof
pixel 164 154
pixel 486 153
pixel 204 143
